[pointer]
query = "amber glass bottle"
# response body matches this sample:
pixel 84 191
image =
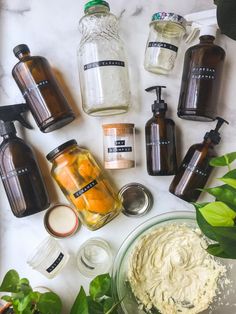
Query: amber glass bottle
pixel 83 183
pixel 41 90
pixel 202 75
pixel 160 139
pixel 195 169
pixel 19 169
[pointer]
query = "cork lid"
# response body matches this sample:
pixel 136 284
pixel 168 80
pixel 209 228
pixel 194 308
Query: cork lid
pixel 118 128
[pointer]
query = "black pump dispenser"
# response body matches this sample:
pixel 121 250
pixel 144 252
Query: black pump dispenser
pixel 159 104
pixel 195 168
pixel 214 135
pixel 19 170
pixel 160 139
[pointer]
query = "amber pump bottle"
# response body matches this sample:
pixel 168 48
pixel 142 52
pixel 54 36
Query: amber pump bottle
pixel 41 90
pixel 201 80
pixel 195 169
pixel 160 139
pixel 19 170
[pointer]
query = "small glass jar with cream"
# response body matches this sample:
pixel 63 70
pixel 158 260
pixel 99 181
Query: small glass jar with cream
pixel 49 258
pixel 166 32
pixel 119 145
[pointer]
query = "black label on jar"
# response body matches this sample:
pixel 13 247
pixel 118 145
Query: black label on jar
pixel 40 84
pixel 56 263
pixel 85 188
pixel 119 143
pixel 203 73
pixel 15 173
pixel 195 169
pixel 125 149
pixel 103 64
pixel 158 44
pixel 158 142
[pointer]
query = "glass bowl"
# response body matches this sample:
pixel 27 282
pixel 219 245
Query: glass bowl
pixel 224 303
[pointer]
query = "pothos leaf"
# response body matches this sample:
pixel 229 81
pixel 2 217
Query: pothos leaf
pixel 230 178
pixel 10 282
pixel 205 227
pixel 80 305
pixel 100 286
pixel 216 250
pixel 224 193
pixel 224 160
pixel 218 214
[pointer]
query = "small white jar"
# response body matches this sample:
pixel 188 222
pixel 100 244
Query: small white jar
pixel 118 143
pixel 166 32
pixel 48 258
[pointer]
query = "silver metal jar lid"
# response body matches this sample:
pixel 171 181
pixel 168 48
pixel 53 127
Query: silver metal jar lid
pixel 136 198
pixel 171 17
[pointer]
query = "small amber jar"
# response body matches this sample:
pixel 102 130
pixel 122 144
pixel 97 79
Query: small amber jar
pixel 83 183
pixel 118 142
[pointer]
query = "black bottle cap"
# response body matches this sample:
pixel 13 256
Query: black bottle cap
pixel 20 49
pixel 214 135
pixel 59 149
pixel 159 104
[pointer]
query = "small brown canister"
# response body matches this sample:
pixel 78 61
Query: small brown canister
pixel 119 145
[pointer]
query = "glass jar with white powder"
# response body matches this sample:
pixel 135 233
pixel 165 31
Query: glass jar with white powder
pixel 166 32
pixel 103 68
pixel 118 144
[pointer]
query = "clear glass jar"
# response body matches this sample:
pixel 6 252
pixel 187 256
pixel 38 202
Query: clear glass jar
pixel 103 68
pixel 49 258
pixel 94 257
pixel 118 143
pixel 166 32
pixel 81 180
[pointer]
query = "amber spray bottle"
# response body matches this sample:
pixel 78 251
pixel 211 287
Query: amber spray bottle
pixel 195 169
pixel 41 90
pixel 19 170
pixel 160 139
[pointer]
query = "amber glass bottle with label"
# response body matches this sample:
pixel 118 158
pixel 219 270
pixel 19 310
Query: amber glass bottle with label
pixel 84 185
pixel 195 169
pixel 201 80
pixel 41 90
pixel 160 139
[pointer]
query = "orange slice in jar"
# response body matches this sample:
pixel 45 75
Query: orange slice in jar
pixel 88 170
pixel 66 177
pixel 99 201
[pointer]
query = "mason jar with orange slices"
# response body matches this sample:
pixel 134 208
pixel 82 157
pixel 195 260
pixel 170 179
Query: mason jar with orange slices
pixel 83 183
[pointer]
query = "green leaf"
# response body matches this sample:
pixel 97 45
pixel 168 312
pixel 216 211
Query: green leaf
pixel 100 286
pixel 224 193
pixel 108 304
pixel 205 227
pixel 216 250
pixel 94 307
pixel 228 232
pixel 80 305
pixel 218 214
pixel 228 246
pixel 6 298
pixel 224 160
pixel 230 178
pixel 113 308
pixel 49 303
pixel 10 282
pixel 226 13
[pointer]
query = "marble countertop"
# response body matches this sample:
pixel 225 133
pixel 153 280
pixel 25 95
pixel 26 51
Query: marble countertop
pixel 50 28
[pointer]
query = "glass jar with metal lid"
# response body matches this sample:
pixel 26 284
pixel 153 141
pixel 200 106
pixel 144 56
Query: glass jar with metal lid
pixel 83 183
pixel 166 32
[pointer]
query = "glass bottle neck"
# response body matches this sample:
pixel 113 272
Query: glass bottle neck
pixel 207 39
pixel 208 143
pixel 22 55
pixel 9 135
pixel 97 9
pixel 160 114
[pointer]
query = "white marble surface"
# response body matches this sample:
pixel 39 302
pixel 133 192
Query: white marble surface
pixel 50 28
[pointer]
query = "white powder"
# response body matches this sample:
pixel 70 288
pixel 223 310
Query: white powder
pixel 170 270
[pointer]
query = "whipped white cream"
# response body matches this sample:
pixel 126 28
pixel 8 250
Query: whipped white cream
pixel 170 270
